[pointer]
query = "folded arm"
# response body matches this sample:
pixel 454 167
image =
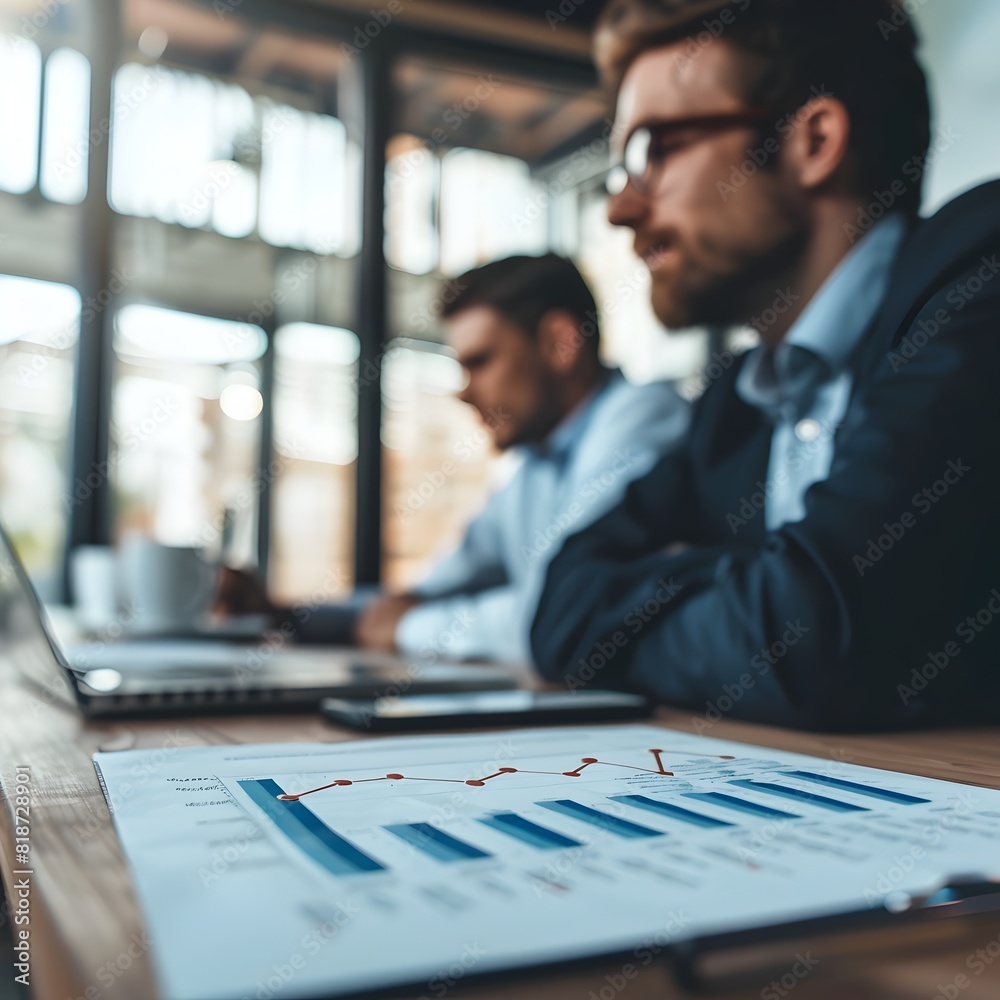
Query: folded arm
pixel 804 628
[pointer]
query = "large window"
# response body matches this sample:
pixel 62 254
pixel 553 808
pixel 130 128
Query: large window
pixel 316 446
pixel 66 136
pixel 62 124
pixel 38 342
pixel 437 458
pixel 186 427
pixel 195 151
pixel 20 83
pixel 228 317
pixel 238 201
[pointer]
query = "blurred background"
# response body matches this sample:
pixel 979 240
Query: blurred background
pixel 224 226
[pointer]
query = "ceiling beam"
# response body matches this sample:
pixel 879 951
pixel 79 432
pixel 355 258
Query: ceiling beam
pixel 470 20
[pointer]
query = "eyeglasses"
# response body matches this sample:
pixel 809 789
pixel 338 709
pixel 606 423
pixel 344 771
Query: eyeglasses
pixel 649 146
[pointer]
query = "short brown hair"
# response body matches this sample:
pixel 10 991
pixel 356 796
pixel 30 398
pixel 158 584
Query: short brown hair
pixel 524 289
pixel 861 52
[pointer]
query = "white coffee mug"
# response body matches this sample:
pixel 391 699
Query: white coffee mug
pixel 164 588
pixel 93 578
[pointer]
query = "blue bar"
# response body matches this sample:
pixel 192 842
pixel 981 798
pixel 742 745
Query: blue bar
pixel 602 820
pixel 854 786
pixel 741 805
pixel 304 829
pixel 794 793
pixel 668 809
pixel 438 844
pixel 529 833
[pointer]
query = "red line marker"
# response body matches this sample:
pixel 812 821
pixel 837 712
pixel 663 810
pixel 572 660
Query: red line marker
pixel 585 762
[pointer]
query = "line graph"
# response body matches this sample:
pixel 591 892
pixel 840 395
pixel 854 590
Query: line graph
pixel 585 762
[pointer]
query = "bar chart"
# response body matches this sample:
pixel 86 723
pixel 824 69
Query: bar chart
pixel 531 846
pixel 725 806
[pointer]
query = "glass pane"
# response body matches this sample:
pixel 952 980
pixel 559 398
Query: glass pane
pixel 316 443
pixel 303 180
pixel 185 434
pixel 632 338
pixel 176 138
pixel 66 127
pixel 41 326
pixel 490 207
pixel 411 239
pixel 437 458
pixel 20 84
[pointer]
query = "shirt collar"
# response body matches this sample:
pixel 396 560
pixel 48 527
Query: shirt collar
pixel 830 327
pixel 838 316
pixel 570 430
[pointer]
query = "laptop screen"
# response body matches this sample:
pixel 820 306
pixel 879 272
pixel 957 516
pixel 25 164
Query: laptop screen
pixel 25 641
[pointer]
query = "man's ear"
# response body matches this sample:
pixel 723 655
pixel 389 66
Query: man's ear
pixel 818 142
pixel 560 340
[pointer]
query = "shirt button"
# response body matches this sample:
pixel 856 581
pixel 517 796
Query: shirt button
pixel 808 430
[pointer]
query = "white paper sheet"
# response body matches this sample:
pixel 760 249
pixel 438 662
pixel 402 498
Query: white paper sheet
pixel 396 880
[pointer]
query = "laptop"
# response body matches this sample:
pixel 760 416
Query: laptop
pixel 176 677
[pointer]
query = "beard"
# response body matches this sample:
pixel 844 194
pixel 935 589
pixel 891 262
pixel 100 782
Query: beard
pixel 680 307
pixel 721 287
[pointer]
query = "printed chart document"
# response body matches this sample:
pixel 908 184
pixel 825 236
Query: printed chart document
pixel 299 869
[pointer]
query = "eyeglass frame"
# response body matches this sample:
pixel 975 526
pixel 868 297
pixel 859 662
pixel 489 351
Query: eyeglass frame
pixel 619 175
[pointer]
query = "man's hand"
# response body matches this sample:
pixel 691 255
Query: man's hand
pixel 376 626
pixel 238 592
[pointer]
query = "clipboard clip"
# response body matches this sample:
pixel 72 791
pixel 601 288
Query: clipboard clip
pixel 953 898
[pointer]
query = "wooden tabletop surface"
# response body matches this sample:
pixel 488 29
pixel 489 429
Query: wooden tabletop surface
pixel 87 938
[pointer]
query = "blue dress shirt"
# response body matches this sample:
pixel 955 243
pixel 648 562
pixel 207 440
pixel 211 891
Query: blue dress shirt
pixel 480 599
pixel 804 384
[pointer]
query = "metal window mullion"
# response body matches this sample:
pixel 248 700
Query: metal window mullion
pixel 372 289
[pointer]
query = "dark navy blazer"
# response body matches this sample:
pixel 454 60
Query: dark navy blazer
pixel 882 606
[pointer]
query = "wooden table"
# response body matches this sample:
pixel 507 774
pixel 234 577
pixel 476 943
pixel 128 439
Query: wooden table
pixel 87 931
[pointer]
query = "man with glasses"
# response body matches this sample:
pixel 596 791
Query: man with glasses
pixel 823 549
